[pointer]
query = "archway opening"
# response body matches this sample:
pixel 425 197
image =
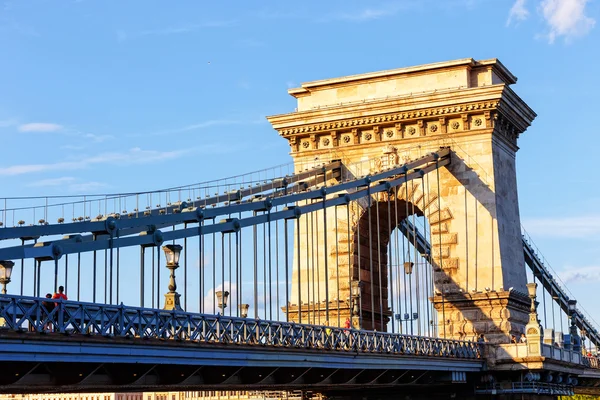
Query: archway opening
pixel 392 267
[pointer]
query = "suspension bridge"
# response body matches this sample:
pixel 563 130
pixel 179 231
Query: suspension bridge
pixel 388 256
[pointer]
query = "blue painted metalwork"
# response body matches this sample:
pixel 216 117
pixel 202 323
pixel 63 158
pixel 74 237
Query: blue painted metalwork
pixel 105 230
pixel 77 318
pixel 538 268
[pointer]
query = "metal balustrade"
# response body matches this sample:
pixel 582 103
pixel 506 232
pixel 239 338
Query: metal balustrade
pixel 23 314
pixel 591 361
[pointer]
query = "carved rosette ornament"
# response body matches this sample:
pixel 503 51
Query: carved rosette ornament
pixel 398 126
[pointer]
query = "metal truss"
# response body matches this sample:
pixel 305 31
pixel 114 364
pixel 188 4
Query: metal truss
pixel 24 314
pixel 276 200
pixel 558 293
pixel 540 272
pixel 50 377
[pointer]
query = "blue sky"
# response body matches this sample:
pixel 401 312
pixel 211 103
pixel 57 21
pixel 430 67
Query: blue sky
pixel 111 96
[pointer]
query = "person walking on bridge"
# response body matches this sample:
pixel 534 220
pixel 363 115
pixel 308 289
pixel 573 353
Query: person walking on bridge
pixel 48 307
pixel 60 294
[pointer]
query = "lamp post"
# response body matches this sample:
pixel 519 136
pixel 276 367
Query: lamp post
pixel 5 272
pixel 532 291
pixel 172 252
pixel 356 290
pixel 575 339
pixel 533 329
pixel 244 310
pixel 408 270
pixel 222 300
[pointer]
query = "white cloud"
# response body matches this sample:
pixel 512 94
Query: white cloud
pixel 72 147
pixel 86 187
pixel 52 182
pixel 565 227
pixel 244 85
pixel 133 156
pixel 98 138
pixel 518 12
pixel 248 42
pixel 566 18
pixel 364 15
pixel 40 127
pixel 209 300
pixel 206 124
pixel 70 184
pixel 589 274
pixel 172 30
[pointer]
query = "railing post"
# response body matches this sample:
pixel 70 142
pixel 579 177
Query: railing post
pixel 139 321
pixel 61 316
pixel 121 324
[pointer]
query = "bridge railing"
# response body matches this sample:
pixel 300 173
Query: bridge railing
pixel 57 317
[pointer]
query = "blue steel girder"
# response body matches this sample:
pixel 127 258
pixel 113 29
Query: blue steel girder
pixel 151 236
pixel 131 220
pixel 562 299
pixel 212 372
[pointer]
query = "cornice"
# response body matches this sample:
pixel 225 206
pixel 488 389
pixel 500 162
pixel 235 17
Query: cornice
pixel 423 117
pixel 514 108
pixel 468 63
pixel 444 101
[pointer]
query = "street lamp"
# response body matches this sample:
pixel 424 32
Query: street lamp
pixel 572 308
pixel 244 310
pixel 532 291
pixel 222 300
pixel 172 252
pixel 5 271
pixel 575 339
pixel 356 290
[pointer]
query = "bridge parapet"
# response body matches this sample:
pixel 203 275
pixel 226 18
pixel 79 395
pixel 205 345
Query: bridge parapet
pixel 69 319
pixel 523 354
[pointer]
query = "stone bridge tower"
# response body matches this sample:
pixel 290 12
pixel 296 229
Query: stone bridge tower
pixel 372 120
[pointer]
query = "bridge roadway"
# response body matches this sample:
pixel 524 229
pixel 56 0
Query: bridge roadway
pixel 91 347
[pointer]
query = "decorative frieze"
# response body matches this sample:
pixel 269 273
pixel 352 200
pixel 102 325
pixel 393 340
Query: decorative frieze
pixel 368 130
pixel 389 118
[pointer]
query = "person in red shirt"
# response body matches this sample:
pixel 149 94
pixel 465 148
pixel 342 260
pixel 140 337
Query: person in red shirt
pixel 60 294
